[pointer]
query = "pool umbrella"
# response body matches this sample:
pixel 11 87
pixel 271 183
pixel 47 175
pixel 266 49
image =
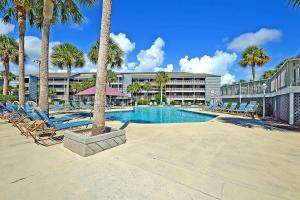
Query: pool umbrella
pixel 108 90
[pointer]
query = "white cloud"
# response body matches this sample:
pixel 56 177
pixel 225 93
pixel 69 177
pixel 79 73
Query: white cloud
pixel 227 79
pixel 258 38
pixel 218 64
pixel 168 68
pixel 124 43
pixel 33 47
pixel 127 46
pixel 6 28
pixel 151 58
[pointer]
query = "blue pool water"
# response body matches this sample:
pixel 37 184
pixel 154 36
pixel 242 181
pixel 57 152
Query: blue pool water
pixel 158 115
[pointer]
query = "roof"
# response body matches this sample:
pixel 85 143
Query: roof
pixel 109 91
pixel 172 74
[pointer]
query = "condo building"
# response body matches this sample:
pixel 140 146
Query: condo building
pixel 182 87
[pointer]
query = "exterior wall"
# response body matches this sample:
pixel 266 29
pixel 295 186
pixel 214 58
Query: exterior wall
pixel 181 87
pixel 297 106
pixel 212 84
pixel 33 88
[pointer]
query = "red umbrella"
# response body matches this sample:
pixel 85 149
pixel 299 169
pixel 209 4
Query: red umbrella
pixel 109 92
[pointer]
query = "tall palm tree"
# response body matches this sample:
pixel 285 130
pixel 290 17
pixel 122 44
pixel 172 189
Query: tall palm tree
pixel 294 3
pixel 147 87
pixel 134 88
pixel 161 80
pixel 111 76
pixel 50 12
pixel 254 56
pixel 52 93
pixel 9 52
pixel 115 54
pixel 67 55
pixel 19 10
pixel 100 96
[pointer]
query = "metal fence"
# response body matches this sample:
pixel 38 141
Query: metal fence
pixel 287 75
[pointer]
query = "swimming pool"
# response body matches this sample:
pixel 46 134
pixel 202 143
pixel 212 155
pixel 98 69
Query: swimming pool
pixel 158 115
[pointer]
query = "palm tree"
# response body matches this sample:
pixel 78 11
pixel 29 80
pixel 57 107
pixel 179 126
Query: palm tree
pixel 147 87
pixel 8 53
pixel 101 79
pixel 254 56
pixel 115 54
pixel 111 76
pixel 161 80
pixel 67 55
pixel 52 93
pixel 294 3
pixel 20 11
pixel 50 12
pixel 133 89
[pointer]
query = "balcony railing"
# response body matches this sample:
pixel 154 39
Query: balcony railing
pixel 287 75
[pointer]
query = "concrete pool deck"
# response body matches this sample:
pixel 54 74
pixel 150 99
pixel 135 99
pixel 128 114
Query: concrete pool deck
pixel 220 159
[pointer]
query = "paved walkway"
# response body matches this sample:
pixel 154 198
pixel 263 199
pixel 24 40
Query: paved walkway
pixel 213 160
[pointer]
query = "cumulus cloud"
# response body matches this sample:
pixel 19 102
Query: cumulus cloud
pixel 124 43
pixel 168 68
pixel 151 58
pixel 227 79
pixel 6 28
pixel 258 38
pixel 127 46
pixel 218 64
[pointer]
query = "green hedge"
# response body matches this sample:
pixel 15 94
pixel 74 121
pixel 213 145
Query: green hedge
pixel 143 102
pixel 5 98
pixel 173 103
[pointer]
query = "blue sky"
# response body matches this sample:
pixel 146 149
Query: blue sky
pixel 180 35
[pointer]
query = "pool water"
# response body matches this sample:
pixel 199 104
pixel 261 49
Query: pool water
pixel 158 115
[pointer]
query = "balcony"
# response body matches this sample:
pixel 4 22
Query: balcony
pixel 285 80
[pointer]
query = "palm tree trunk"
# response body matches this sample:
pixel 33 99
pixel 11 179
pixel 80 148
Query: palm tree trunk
pixel 253 72
pixel 5 77
pixel 44 92
pixel 160 94
pixel 22 28
pixel 68 83
pixel 100 96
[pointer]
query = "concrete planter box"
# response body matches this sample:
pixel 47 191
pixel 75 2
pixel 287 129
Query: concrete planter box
pixel 89 145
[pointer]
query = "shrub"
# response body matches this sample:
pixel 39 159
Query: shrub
pixel 269 109
pixel 143 102
pixel 5 98
pixel 157 98
pixel 173 103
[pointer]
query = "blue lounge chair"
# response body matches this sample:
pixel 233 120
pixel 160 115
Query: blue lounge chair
pixel 43 116
pixel 232 107
pixel 223 108
pixel 57 105
pixel 251 109
pixel 241 109
pixel 68 105
pixel 75 105
pixel 68 125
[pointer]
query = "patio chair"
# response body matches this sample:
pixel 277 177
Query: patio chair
pixel 67 125
pixel 241 108
pixel 75 105
pixel 223 108
pixel 251 109
pixel 232 107
pixel 89 104
pixel 57 105
pixel 68 105
pixel 43 116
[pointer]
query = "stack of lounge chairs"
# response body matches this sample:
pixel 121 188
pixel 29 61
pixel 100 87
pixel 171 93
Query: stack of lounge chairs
pixel 32 121
pixel 73 105
pixel 235 108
